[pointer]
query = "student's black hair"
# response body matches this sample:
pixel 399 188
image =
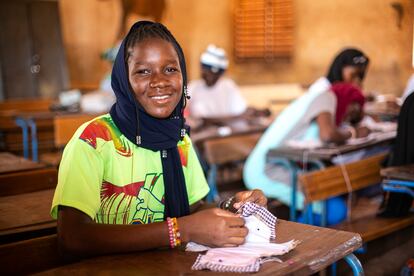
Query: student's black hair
pixel 146 29
pixel 350 56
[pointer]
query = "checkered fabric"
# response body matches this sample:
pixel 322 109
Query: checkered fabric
pixel 250 209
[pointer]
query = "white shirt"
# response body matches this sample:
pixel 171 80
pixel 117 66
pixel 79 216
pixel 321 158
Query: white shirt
pixel 221 100
pixel 318 99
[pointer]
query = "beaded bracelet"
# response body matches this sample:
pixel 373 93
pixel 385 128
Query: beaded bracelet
pixel 173 232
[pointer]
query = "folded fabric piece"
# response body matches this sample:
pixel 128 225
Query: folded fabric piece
pixel 245 258
pixel 256 250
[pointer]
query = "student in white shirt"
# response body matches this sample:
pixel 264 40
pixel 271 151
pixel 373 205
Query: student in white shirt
pixel 215 96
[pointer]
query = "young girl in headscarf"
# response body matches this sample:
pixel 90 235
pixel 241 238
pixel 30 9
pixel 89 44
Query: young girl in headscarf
pixel 314 118
pixel 130 180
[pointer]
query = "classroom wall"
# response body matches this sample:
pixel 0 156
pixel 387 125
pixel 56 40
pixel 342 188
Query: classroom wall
pixel 88 27
pixel 322 29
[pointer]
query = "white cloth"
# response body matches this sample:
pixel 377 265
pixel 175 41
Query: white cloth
pixel 221 100
pixel 244 258
pixel 256 250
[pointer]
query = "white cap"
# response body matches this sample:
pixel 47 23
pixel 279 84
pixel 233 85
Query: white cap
pixel 215 57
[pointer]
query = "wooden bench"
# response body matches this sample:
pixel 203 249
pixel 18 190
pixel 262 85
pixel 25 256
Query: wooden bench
pixel 227 150
pixel 30 256
pixel 26 215
pixel 27 181
pixel 323 184
pixel 11 139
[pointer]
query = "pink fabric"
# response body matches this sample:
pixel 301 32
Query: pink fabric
pixel 346 94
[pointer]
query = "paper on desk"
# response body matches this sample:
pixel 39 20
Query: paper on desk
pixel 374 136
pixel 304 144
pixel 378 126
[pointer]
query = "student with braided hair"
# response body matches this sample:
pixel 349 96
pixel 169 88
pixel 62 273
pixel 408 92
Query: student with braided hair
pixel 130 180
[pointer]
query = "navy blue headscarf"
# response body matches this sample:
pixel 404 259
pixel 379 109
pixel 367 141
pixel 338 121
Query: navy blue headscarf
pixel 152 133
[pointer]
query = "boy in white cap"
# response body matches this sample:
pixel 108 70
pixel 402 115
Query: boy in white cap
pixel 214 96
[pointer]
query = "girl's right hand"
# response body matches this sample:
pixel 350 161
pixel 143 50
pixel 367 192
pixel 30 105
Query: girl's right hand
pixel 213 227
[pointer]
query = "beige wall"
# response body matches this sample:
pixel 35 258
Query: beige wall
pixel 89 27
pixel 322 29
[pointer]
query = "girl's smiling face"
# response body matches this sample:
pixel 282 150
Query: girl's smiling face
pixel 155 76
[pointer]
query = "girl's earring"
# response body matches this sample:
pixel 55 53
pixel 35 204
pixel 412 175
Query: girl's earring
pixel 186 94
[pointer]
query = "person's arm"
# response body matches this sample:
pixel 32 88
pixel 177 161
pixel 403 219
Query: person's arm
pixel 328 132
pixel 79 235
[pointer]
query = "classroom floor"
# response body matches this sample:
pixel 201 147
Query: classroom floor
pixel 385 256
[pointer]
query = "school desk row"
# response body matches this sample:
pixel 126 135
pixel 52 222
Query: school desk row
pixel 26 190
pixel 27 215
pixel 20 176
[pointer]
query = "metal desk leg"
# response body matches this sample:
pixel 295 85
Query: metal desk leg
pixel 212 178
pixel 22 123
pixel 324 215
pixel 355 264
pixel 293 180
pixel 309 214
pixel 33 130
pixel 398 186
pixel 291 166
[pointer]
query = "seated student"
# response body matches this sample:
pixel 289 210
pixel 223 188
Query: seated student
pixel 399 204
pixel 315 116
pixel 215 96
pixel 130 180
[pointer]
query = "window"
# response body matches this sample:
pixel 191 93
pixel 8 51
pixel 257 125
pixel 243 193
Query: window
pixel 263 29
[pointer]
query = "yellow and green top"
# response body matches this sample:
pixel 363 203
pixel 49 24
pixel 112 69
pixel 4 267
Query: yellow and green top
pixel 114 181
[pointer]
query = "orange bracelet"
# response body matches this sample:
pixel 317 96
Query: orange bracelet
pixel 176 230
pixel 173 232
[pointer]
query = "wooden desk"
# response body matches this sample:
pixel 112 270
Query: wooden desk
pixel 401 172
pixel 399 179
pixel 19 175
pixel 13 163
pixel 384 111
pixel 320 247
pixel 225 145
pixel 329 152
pixel 25 213
pixel 67 120
pixel 216 132
pixel 25 129
pixel 318 157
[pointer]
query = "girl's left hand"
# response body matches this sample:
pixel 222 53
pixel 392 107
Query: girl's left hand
pixel 255 196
